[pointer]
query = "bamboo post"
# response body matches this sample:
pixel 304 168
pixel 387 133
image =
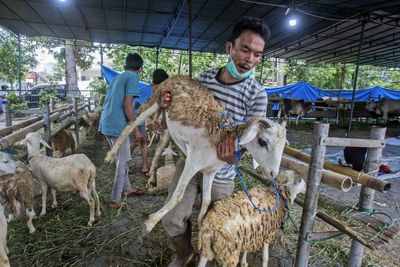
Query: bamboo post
pixel 363 179
pixel 336 180
pixel 11 139
pixel 10 129
pixel 47 128
pixel 89 107
pixel 365 203
pixel 51 105
pixel 311 197
pixel 76 118
pixel 7 114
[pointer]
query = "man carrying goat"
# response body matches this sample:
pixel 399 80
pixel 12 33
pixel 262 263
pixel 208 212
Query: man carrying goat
pixel 241 97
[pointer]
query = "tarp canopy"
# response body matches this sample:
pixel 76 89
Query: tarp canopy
pixel 300 90
pixel 145 89
pixel 308 92
pixel 374 93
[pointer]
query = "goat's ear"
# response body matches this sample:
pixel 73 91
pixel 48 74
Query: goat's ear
pixel 45 144
pixel 249 133
pixel 23 142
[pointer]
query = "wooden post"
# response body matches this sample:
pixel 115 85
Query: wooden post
pixel 7 114
pixel 367 194
pixel 51 104
pixel 76 118
pixel 47 128
pixel 89 107
pixel 311 198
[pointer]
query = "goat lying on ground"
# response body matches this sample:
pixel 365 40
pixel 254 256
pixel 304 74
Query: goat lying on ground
pixel 17 189
pixel 233 227
pixel 194 122
pixel 165 173
pixel 71 173
pixel 62 141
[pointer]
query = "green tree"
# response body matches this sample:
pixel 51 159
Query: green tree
pixel 9 56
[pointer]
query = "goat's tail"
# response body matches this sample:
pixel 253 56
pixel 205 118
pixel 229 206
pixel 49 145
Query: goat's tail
pixel 128 129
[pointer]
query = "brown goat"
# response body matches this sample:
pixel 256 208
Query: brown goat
pixel 62 141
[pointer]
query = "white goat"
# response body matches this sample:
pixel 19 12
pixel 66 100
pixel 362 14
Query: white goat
pixel 74 172
pixel 194 122
pixel 4 262
pixel 233 227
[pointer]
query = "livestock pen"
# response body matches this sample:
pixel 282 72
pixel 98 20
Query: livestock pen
pixel 63 239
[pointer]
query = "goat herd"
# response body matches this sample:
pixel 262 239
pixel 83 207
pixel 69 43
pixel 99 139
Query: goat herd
pixel 230 229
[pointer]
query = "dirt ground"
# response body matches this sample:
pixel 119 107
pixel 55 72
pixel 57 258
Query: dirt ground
pixel 63 239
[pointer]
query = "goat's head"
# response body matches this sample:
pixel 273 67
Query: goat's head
pixel 32 142
pixel 293 183
pixel 371 105
pixel 265 140
pixel 168 152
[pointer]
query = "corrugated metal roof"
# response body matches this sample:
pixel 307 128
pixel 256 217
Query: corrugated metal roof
pixel 328 30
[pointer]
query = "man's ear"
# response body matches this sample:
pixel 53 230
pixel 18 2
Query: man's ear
pixel 228 47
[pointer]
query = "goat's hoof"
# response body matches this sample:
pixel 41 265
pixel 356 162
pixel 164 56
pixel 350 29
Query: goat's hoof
pixel 42 214
pixel 98 213
pixel 90 223
pixel 148 226
pixel 31 231
pixel 54 206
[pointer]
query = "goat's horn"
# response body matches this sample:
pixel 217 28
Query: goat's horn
pixel 265 123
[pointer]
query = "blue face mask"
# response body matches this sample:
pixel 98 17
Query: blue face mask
pixel 231 68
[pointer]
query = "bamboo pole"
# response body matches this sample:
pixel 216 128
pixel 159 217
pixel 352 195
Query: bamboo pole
pixel 374 156
pixel 336 180
pixel 11 139
pixel 363 179
pixel 311 197
pixel 10 129
pixel 47 127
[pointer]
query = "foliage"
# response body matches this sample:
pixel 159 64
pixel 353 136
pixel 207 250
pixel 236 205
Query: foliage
pixel 9 56
pixel 19 106
pixel 99 87
pixel 47 94
pixel 336 76
pixel 168 60
pixel 13 98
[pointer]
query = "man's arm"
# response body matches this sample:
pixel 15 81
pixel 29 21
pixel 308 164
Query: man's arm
pixel 128 109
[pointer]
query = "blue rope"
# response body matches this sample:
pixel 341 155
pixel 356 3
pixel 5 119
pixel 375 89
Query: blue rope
pixel 237 157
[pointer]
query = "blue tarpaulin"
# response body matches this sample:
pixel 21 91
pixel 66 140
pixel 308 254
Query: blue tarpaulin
pixel 145 89
pixel 308 92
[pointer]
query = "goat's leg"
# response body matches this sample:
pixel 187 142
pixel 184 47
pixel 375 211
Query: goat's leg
pixel 53 194
pixel 44 197
pixel 206 194
pixel 202 262
pixel 96 199
pixel 297 119
pixel 86 195
pixel 188 172
pixel 243 260
pixel 31 215
pixel 265 255
pixel 4 262
pixel 152 181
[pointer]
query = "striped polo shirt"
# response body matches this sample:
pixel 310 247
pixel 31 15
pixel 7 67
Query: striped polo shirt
pixel 241 100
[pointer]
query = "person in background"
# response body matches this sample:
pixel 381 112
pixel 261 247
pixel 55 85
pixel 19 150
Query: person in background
pixel 159 75
pixel 242 97
pixel 117 111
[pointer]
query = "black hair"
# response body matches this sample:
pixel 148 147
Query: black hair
pixel 133 61
pixel 159 75
pixel 256 25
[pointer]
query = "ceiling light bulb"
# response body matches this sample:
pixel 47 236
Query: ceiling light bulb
pixel 292 22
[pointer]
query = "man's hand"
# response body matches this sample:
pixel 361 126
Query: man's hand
pixel 226 150
pixel 165 99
